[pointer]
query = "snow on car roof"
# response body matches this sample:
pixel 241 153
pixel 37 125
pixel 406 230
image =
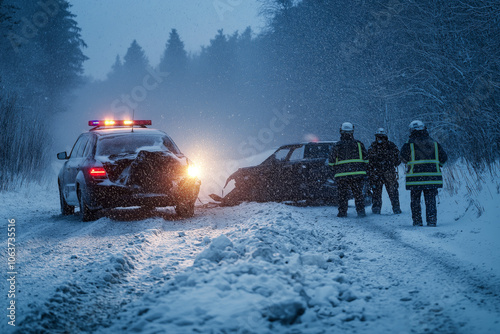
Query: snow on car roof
pixel 124 130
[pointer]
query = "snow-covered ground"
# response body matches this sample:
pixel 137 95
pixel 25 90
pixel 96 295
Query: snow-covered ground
pixel 256 268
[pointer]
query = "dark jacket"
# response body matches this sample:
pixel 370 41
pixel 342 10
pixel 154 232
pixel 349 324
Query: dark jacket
pixel 348 158
pixel 424 158
pixel 383 157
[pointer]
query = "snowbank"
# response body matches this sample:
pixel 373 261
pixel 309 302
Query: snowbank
pixel 261 267
pixel 272 272
pixel 302 270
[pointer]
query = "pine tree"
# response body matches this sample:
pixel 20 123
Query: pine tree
pixel 218 59
pixel 62 65
pixel 174 59
pixel 135 62
pixel 6 26
pixel 116 70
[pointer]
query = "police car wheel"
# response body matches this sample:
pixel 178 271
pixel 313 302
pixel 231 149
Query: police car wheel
pixel 87 214
pixel 66 209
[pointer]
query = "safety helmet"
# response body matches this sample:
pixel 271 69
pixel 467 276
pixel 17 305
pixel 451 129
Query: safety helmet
pixel 381 132
pixel 347 127
pixel 417 126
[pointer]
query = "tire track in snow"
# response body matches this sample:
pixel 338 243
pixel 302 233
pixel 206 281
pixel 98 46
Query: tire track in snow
pixel 381 256
pixel 371 251
pixel 483 284
pixel 94 269
pixel 95 289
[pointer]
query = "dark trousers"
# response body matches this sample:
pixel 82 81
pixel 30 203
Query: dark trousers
pixel 390 180
pixel 430 206
pixel 356 186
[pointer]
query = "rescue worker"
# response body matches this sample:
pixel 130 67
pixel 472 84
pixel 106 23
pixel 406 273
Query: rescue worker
pixel 424 158
pixel 347 159
pixel 383 157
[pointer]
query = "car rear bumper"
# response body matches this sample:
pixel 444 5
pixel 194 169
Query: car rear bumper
pixel 106 195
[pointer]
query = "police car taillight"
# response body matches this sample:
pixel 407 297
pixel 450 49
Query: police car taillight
pixel 98 172
pixel 119 122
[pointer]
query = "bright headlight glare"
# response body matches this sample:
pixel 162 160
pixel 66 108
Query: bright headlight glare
pixel 193 171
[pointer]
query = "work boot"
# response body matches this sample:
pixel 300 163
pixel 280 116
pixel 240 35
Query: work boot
pixel 361 214
pixel 396 211
pixel 431 224
pixel 417 223
pixel 375 210
pixel 342 214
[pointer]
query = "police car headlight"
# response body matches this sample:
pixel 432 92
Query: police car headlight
pixel 193 171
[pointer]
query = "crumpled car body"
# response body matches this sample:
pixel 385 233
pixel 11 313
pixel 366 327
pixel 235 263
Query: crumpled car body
pixel 296 172
pixel 109 168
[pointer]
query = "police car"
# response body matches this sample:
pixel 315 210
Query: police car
pixel 122 163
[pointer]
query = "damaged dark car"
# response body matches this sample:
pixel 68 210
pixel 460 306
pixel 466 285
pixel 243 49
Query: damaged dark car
pixel 296 172
pixel 124 164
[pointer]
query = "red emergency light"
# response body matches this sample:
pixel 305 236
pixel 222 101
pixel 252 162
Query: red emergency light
pixel 112 122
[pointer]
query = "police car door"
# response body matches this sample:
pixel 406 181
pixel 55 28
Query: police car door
pixel 73 166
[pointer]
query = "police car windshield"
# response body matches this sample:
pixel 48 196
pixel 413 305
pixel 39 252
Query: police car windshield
pixel 132 143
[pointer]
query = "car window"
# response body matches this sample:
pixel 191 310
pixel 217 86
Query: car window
pixel 74 151
pixel 133 143
pixel 281 154
pixel 81 148
pixel 297 154
pixel 88 147
pixel 315 151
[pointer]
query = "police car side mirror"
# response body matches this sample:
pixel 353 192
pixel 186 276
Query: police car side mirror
pixel 62 155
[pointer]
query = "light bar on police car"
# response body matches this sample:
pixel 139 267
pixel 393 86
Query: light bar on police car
pixel 119 122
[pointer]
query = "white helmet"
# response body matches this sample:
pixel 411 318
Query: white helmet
pixel 417 126
pixel 381 132
pixel 347 128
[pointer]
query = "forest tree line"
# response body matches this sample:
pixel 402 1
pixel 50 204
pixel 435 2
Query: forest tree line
pixel 317 64
pixel 373 63
pixel 41 62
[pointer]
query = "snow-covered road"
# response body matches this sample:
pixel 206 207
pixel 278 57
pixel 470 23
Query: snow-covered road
pixel 254 268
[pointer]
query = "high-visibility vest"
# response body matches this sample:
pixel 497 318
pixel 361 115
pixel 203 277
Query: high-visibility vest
pixel 432 176
pixel 350 161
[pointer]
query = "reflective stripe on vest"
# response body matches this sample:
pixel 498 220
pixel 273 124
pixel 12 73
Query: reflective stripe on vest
pixel 342 162
pixel 350 173
pixel 421 183
pixel 437 174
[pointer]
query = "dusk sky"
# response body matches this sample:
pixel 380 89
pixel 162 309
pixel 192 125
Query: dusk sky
pixel 109 27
